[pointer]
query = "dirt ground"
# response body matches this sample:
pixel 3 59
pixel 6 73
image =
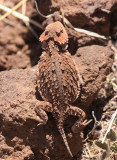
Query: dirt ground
pixel 96 58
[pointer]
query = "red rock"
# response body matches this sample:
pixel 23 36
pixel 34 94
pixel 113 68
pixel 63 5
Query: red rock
pixel 19 94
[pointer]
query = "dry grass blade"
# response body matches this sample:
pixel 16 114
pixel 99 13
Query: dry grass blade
pixel 110 125
pixel 33 31
pixel 89 153
pixel 42 15
pixel 7 21
pixel 114 84
pixel 105 10
pixel 13 9
pixel 89 33
pixel 21 16
pixel 115 97
pixel 24 8
pixel 66 21
pixel 39 11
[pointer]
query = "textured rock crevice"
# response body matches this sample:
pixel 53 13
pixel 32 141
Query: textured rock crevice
pixel 20 135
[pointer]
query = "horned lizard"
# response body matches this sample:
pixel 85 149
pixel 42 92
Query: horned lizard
pixel 58 80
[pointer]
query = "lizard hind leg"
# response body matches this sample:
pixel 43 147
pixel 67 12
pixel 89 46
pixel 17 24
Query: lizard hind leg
pixel 79 124
pixel 41 108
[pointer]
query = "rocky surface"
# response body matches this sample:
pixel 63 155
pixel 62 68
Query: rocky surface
pixel 84 14
pixel 17 38
pixel 20 135
pixel 17 43
pixel 94 63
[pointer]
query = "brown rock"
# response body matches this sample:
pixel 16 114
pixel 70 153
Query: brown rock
pixel 94 63
pixel 11 41
pixel 14 36
pixel 14 61
pixel 19 152
pixel 11 48
pixel 18 96
pixel 84 14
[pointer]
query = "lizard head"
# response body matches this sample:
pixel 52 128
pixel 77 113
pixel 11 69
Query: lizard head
pixel 55 31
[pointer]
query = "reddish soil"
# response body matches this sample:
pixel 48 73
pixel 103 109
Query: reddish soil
pixel 20 137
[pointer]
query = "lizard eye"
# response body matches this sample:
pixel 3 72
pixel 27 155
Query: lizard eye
pixel 46 33
pixel 58 34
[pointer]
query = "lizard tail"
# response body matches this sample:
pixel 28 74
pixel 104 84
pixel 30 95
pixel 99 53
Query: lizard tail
pixel 62 132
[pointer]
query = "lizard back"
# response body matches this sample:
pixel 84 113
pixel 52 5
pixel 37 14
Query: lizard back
pixel 58 80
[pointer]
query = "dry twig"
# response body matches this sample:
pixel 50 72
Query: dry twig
pixel 21 16
pixel 110 125
pixel 13 9
pixel 24 8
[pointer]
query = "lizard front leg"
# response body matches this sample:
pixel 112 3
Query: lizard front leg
pixel 80 123
pixel 40 109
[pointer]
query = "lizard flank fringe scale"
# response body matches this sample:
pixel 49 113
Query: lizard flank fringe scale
pixel 58 81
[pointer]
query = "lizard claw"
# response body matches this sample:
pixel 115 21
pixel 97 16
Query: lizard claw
pixel 79 126
pixel 41 123
pixel 86 122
